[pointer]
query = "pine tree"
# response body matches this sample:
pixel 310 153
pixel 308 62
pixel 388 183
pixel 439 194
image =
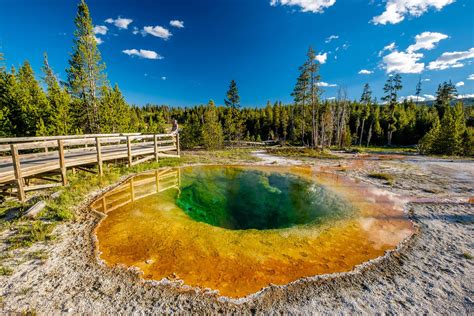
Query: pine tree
pixel 315 91
pixel 268 121
pixel 365 99
pixel 59 122
pixel 284 123
pixel 233 98
pixel 212 135
pixel 114 111
pixel 234 124
pixel 32 103
pixel 444 95
pixel 418 90
pixel 5 126
pixel 391 88
pixel 428 141
pixel 191 135
pixel 86 72
pixel 300 97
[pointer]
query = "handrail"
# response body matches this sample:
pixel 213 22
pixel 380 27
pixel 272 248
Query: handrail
pixel 103 147
pixel 24 143
pixel 41 138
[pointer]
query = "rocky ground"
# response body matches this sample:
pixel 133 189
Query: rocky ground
pixel 431 273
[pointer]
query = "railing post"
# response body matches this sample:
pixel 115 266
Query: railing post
pixel 129 151
pixel 99 156
pixel 177 144
pixel 62 162
pixel 155 141
pixel 17 170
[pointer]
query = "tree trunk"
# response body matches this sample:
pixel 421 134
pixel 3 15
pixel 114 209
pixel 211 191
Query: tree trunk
pixel 369 134
pixel 361 132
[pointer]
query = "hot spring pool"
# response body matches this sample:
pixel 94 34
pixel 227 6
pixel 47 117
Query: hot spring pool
pixel 237 229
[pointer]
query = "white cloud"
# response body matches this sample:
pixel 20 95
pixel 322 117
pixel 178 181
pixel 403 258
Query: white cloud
pixel 98 40
pixel 429 97
pixel 471 77
pixel 157 31
pixel 404 63
pixel 314 6
pixel 121 23
pixel 331 98
pixel 426 79
pixel 332 37
pixel 396 10
pixel 135 30
pixel 426 40
pixel 100 29
pixel 390 47
pixel 143 53
pixel 365 72
pixel 177 23
pixel 413 98
pixel 321 58
pixel 325 84
pixel 460 84
pixel 451 60
pixel 163 78
pixel 465 96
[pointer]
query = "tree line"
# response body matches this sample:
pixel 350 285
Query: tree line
pixel 447 127
pixel 86 103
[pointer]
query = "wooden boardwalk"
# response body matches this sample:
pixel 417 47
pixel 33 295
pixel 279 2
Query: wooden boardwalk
pixel 36 157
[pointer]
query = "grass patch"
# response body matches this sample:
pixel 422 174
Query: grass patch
pixel 29 233
pixel 5 271
pixel 38 255
pixel 467 256
pixel 300 152
pixel 382 176
pixel 224 156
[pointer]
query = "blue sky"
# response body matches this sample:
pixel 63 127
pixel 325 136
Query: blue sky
pixel 259 43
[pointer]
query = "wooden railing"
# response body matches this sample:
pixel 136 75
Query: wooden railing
pixel 30 157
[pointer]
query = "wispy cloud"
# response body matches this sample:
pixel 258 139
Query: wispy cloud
pixel 325 84
pixel 390 47
pixel 465 96
pixel 396 10
pixel 142 53
pixel 157 31
pixel 321 58
pixel 177 23
pixel 407 62
pixel 100 29
pixel 365 72
pixel 471 77
pixel 331 38
pixel 451 60
pixel 402 62
pixel 460 84
pixel 121 23
pixel 426 40
pixel 314 6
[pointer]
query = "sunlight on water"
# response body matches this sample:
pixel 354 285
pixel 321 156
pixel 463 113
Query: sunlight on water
pixel 238 229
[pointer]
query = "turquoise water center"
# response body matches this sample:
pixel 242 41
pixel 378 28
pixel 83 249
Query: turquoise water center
pixel 241 198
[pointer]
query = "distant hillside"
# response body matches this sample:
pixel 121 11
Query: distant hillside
pixel 466 101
